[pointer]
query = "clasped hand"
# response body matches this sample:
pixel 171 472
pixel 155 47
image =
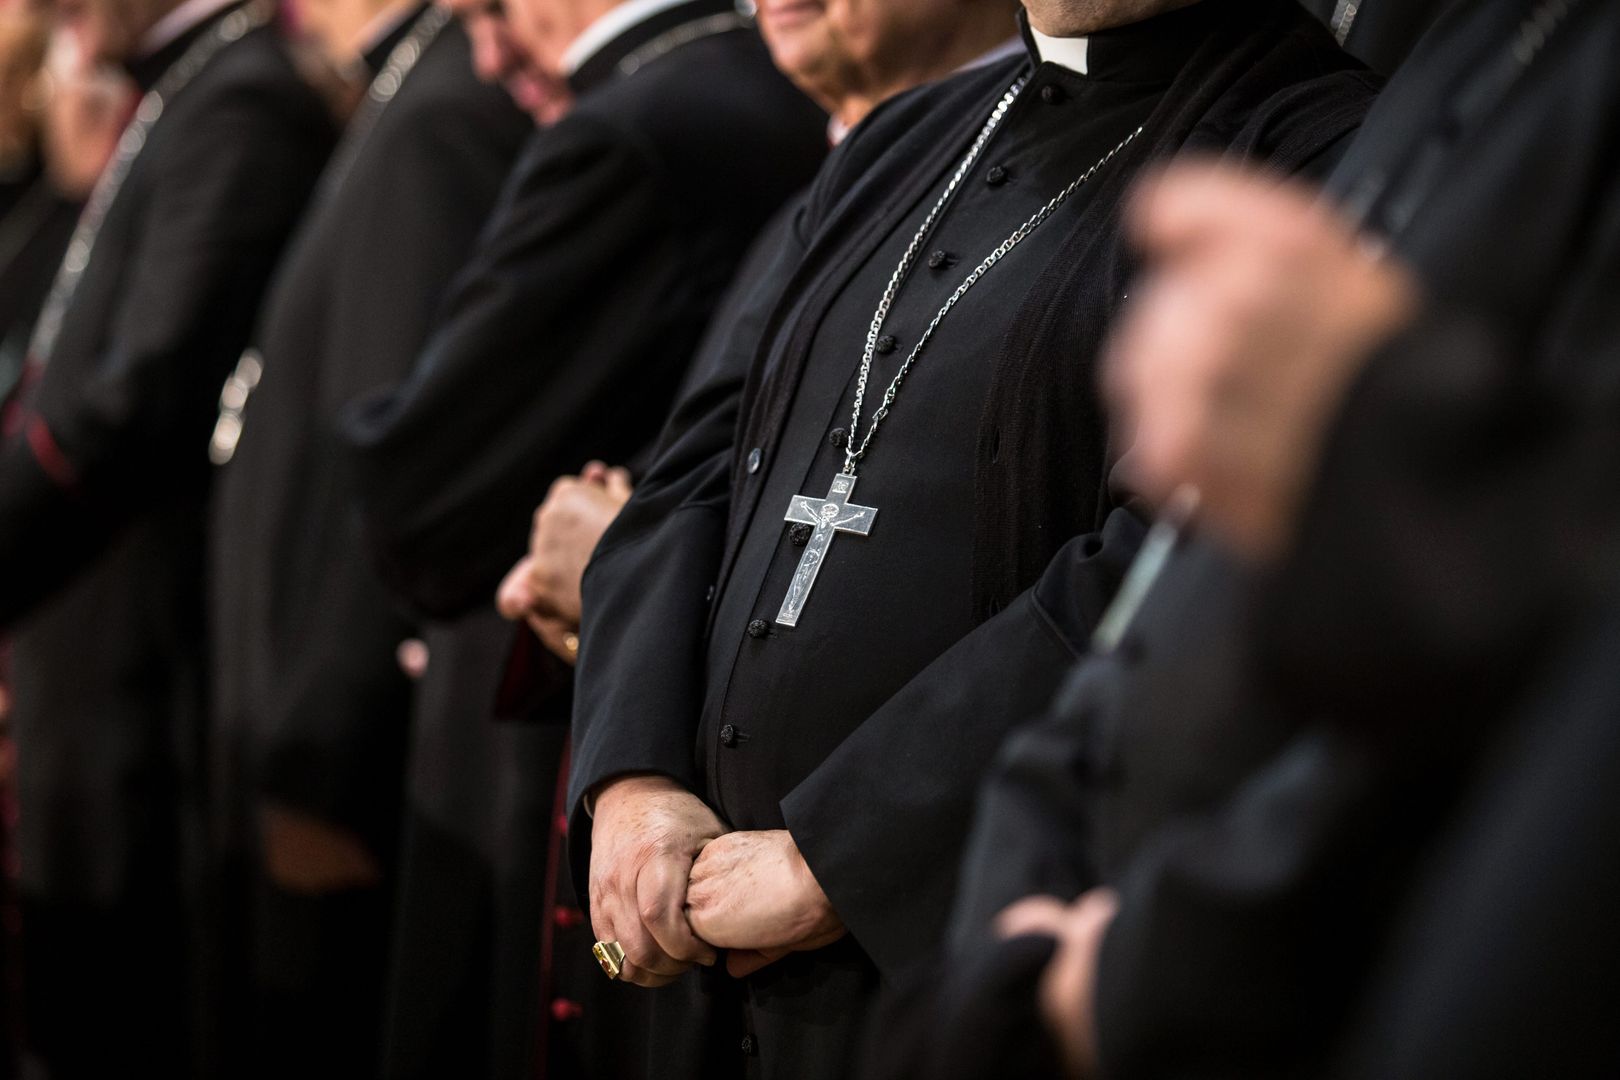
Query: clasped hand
pixel 673 887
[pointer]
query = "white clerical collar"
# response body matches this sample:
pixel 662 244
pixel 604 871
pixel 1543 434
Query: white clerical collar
pixel 176 23
pixel 601 33
pixel 1073 53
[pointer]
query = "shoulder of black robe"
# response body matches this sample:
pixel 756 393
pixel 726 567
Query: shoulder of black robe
pixel 1499 966
pixel 1282 96
pixel 126 404
pixel 306 635
pixel 569 332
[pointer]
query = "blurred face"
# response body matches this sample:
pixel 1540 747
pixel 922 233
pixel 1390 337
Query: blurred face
pixel 545 28
pixel 1072 18
pixel 110 30
pixel 500 57
pixel 22 52
pixel 837 50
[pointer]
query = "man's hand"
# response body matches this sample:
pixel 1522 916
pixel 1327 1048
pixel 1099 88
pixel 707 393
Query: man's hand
pixel 543 588
pixel 1068 987
pixel 646 832
pixel 753 894
pixel 1259 308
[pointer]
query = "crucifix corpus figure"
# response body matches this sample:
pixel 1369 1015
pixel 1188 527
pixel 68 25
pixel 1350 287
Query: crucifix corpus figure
pixel 829 516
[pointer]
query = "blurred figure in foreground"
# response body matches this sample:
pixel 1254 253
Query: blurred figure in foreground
pixel 1400 519
pixel 102 485
pixel 313 711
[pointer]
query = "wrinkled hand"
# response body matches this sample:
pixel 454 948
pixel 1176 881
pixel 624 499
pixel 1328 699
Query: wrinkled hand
pixel 543 588
pixel 645 834
pixel 1259 308
pixel 753 894
pixel 1068 986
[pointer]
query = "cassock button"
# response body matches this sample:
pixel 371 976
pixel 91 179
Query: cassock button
pixel 728 735
pixel 563 1010
pixel 1052 95
pixel 887 344
pixel 996 176
pixel 838 438
pixel 758 628
pixel 939 260
pixel 800 534
pixel 567 918
pixel 749 1046
pixel 755 456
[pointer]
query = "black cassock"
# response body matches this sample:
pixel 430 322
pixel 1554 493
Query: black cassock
pixel 34 230
pixel 1239 949
pixel 311 707
pixel 864 729
pixel 563 340
pixel 1382 33
pixel 101 540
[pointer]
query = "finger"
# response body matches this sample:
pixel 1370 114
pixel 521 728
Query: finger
pixel 1042 915
pixel 741 963
pixel 595 472
pixel 645 964
pixel 1193 204
pixel 661 895
pixel 515 597
pixel 618 483
pixel 559 638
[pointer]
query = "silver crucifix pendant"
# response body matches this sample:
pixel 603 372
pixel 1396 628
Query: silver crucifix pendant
pixel 834 514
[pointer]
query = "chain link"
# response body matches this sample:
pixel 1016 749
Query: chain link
pixel 854 454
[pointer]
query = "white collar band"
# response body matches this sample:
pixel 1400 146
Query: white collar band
pixel 602 33
pixel 1073 53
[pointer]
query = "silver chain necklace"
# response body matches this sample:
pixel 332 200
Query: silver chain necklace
pixel 402 60
pixel 836 514
pixel 229 30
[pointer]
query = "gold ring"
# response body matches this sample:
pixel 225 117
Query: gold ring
pixel 610 954
pixel 571 643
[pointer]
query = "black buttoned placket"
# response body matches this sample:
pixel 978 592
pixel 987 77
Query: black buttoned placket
pixel 887 604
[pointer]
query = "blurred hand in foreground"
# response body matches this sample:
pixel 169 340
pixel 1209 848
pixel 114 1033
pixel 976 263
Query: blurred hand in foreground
pixel 1259 308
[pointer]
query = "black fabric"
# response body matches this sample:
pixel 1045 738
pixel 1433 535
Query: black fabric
pixel 1219 965
pixel 34 234
pixel 1383 33
pixel 1377 600
pixel 1498 964
pixel 989 1021
pixel 1267 85
pixel 311 707
pixel 562 341
pixel 103 578
pixel 616 235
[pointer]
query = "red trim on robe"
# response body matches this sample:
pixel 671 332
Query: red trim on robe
pixel 50 456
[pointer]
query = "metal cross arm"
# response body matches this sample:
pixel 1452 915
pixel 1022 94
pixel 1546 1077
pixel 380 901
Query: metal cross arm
pixel 830 516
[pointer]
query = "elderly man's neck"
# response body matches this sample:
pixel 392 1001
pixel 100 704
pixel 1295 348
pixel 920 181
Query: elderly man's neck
pixel 969 35
pixel 1077 18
